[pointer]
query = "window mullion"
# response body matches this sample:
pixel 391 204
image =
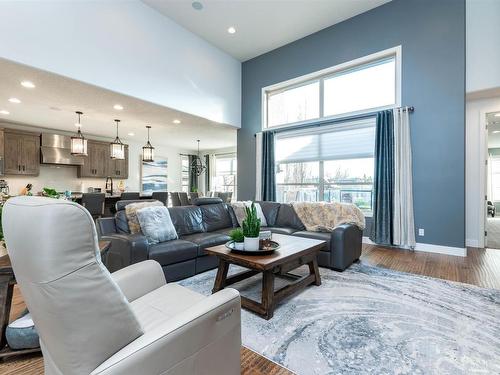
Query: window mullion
pixel 321 97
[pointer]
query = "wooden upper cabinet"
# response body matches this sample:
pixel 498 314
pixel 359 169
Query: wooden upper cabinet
pixel 22 153
pixel 98 163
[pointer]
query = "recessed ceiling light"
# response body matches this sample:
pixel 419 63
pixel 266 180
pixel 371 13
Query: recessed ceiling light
pixel 4 112
pixel 176 121
pixel 28 84
pixel 231 30
pixel 197 5
pixel 131 134
pixel 496 131
pixel 497 114
pixel 118 107
pixel 14 100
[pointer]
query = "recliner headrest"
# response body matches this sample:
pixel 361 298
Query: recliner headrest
pixel 206 200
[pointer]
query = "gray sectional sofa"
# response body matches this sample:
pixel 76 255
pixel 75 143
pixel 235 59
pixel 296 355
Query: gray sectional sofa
pixel 208 223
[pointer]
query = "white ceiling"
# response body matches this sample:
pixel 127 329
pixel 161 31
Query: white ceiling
pixel 261 25
pixel 52 104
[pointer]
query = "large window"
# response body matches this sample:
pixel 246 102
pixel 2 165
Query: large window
pixel 185 173
pixel 364 85
pixel 329 163
pixel 225 173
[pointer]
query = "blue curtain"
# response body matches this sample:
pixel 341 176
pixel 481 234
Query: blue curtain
pixel 193 178
pixel 384 179
pixel 268 167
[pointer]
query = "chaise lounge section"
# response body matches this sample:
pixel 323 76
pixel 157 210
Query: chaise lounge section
pixel 208 223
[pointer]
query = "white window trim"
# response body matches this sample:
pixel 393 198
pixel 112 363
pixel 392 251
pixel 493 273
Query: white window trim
pixel 325 73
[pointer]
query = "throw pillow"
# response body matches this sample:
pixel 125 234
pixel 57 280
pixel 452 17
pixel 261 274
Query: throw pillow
pixel 156 224
pixel 239 212
pixel 131 212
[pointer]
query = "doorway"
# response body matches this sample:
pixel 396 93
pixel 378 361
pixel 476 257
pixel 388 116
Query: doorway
pixel 492 193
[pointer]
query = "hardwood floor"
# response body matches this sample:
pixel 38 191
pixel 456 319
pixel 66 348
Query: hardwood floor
pixel 481 267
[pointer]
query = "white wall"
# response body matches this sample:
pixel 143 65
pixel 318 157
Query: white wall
pixel 127 47
pixel 64 177
pixel 482 44
pixel 475 182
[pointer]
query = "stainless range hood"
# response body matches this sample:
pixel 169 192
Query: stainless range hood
pixel 56 149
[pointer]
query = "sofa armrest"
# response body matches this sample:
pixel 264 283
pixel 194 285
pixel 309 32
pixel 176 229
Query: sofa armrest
pixel 346 244
pixel 126 249
pixel 139 279
pixel 187 343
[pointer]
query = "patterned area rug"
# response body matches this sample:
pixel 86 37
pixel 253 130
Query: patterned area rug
pixel 369 320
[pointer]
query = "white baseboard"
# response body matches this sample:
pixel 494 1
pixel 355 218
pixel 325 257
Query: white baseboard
pixel 472 243
pixel 430 248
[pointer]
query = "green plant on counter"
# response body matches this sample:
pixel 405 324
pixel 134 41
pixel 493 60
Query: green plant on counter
pixel 50 193
pixel 237 235
pixel 251 224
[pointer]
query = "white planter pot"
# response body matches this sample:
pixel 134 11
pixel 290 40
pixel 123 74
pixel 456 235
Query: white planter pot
pixel 251 243
pixel 239 245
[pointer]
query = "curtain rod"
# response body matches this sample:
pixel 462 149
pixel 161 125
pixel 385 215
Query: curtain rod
pixel 410 109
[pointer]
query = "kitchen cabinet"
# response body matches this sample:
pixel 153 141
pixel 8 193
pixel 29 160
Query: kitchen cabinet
pixel 98 162
pixel 22 153
pixel 95 163
pixel 118 168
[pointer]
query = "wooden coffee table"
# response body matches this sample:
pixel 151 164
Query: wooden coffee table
pixel 293 253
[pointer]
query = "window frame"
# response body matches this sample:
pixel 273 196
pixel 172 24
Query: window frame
pixel 323 74
pixel 234 168
pixel 184 158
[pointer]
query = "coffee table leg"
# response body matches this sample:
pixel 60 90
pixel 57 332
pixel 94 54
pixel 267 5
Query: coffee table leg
pixel 314 270
pixel 220 279
pixel 268 293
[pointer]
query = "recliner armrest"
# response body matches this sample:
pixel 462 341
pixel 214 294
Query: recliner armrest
pixel 346 245
pixel 139 279
pixel 187 343
pixel 126 249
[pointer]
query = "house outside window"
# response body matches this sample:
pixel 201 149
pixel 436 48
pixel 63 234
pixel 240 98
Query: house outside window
pixel 225 173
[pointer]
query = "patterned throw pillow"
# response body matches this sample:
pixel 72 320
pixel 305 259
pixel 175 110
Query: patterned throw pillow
pixel 239 212
pixel 156 224
pixel 131 212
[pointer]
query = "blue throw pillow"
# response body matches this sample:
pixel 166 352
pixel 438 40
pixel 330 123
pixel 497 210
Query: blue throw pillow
pixel 156 224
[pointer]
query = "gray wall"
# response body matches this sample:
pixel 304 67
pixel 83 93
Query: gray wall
pixel 432 35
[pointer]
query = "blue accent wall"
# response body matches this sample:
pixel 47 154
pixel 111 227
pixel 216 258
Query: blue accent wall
pixel 432 36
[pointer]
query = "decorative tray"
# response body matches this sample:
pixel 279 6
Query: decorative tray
pixel 273 246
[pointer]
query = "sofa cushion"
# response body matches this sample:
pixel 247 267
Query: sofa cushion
pixel 187 219
pixel 122 222
pixel 288 218
pixel 225 231
pixel 204 240
pixel 156 224
pixel 215 216
pixel 174 251
pixel 279 230
pixel 323 236
pixel 270 210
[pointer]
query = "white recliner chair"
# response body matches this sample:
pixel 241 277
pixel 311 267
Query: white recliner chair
pixel 128 322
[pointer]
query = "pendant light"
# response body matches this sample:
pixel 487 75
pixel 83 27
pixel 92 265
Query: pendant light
pixel 148 150
pixel 78 142
pixel 197 165
pixel 117 148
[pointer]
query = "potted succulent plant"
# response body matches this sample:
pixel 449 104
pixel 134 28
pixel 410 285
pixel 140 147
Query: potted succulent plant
pixel 238 238
pixel 251 228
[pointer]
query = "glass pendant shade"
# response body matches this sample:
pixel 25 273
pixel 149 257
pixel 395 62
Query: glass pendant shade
pixel 117 148
pixel 148 151
pixel 78 142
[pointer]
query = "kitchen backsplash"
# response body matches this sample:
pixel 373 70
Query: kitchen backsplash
pixel 60 178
